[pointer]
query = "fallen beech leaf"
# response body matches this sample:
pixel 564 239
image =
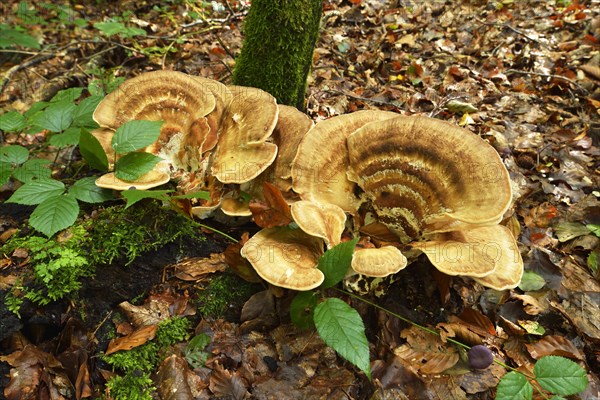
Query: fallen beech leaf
pixel 224 383
pixel 137 338
pixel 83 385
pixel 193 269
pixel 426 352
pixel 239 264
pixel 474 317
pixel 553 346
pixel 460 330
pixel 150 313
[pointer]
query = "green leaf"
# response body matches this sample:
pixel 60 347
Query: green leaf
pixel 36 168
pixel 67 95
pixel 557 398
pixel 85 110
pixel 85 189
pixel 12 121
pixel 56 117
pixel 36 192
pixel 531 281
pixel 6 172
pixel 135 135
pixel 35 109
pixel 302 309
pixel 514 386
pixel 12 37
pixel 134 195
pixel 194 351
pixel 592 261
pixel 117 28
pixel 595 229
pixel 92 151
pixel 194 195
pixel 336 261
pixel 14 154
pixel 70 137
pixel 559 375
pixel 342 329
pixel 566 231
pixel 54 214
pixel 133 165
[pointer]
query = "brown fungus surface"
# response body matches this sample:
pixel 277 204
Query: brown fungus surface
pixel 319 169
pixel 422 176
pixel 243 151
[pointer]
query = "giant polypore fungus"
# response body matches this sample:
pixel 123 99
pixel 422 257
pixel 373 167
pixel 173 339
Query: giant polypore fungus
pixel 243 151
pixel 319 168
pixel 434 185
pixel 285 257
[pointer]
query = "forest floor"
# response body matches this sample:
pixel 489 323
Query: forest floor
pixel 523 75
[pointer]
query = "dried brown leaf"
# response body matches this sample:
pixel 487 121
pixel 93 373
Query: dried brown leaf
pixel 172 381
pixel 150 313
pixel 224 383
pixel 426 352
pixel 553 346
pixel 196 268
pixel 137 338
pixel 274 211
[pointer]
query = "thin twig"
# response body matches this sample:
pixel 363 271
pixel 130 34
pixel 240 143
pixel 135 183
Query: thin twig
pixel 13 70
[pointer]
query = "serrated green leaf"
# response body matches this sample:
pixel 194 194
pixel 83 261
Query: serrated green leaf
pixel 12 121
pixel 592 261
pixel 531 281
pixel 54 214
pixel 36 168
pixel 514 386
pixel 36 192
pixel 117 28
pixel 133 165
pixel 194 195
pixel 67 95
pixel 85 110
pixel 335 262
pixel 557 398
pixel 14 154
pixel 56 117
pixel 135 135
pixel 70 137
pixel 559 375
pixel 134 195
pixel 35 109
pixel 5 172
pixel 92 151
pixel 342 329
pixel 595 229
pixel 85 189
pixel 302 309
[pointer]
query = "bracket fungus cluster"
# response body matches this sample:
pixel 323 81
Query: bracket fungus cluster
pixel 396 182
pixel 213 137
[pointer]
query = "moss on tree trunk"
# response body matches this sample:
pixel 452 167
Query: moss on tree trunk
pixel 279 39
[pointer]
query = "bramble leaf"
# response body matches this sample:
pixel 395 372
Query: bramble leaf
pixel 559 375
pixel 56 117
pixel 514 386
pixel 36 192
pixel 133 165
pixel 12 121
pixel 135 135
pixel 302 309
pixel 342 329
pixel 335 262
pixel 134 195
pixel 54 214
pixel 92 151
pixel 36 168
pixel 70 137
pixel 14 154
pixel 85 189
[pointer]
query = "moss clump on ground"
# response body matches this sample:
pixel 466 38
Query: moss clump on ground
pixel 138 363
pixel 224 293
pixel 279 39
pixel 59 264
pixel 118 233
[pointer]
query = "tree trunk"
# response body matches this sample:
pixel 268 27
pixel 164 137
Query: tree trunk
pixel 276 56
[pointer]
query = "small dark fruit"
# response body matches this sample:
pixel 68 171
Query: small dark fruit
pixel 480 357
